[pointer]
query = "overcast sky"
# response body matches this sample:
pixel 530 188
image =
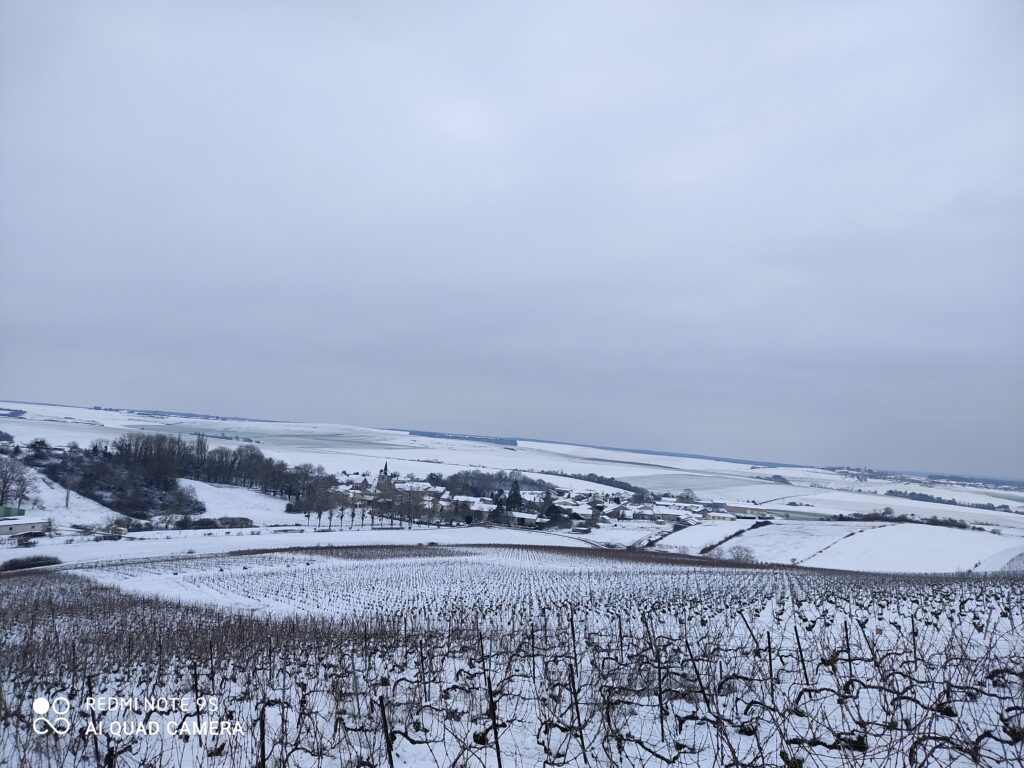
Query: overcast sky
pixel 787 231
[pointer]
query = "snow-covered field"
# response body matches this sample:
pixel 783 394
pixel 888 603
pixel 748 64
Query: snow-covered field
pixel 692 540
pixel 795 542
pixel 231 501
pixel 623 533
pixel 818 492
pixel 914 548
pixel 161 544
pixel 52 502
pixel 454 645
pixel 486 656
pixel 867 546
pixel 359 449
pixel 346 584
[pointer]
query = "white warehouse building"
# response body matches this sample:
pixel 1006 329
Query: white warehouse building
pixel 12 526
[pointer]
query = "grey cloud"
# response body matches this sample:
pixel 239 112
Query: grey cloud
pixel 787 230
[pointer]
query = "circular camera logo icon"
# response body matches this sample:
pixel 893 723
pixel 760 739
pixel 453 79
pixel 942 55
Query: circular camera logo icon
pixel 50 716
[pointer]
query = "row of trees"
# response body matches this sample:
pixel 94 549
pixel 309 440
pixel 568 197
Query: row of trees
pixel 918 496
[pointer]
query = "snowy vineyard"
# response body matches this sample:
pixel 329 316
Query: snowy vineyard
pixel 514 656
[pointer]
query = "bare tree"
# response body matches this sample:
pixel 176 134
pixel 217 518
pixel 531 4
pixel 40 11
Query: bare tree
pixel 16 481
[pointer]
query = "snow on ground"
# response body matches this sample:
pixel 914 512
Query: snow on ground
pixel 342 447
pixel 51 497
pixel 693 539
pixel 1009 559
pixel 623 533
pixel 286 582
pixel 913 548
pixel 1014 563
pixel 232 501
pixel 180 543
pixel 866 503
pixel 901 547
pixel 793 542
pixel 338 448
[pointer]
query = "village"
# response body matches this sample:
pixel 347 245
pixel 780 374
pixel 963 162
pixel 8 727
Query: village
pixel 577 511
pixel 390 501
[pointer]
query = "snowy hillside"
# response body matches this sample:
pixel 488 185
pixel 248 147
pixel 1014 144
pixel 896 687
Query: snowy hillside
pixel 231 501
pixel 914 548
pixel 799 498
pixel 52 502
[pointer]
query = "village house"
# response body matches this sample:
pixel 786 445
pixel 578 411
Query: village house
pixel 527 520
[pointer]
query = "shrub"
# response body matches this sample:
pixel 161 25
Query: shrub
pixel 36 561
pixel 741 554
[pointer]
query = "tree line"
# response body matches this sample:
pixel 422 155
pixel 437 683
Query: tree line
pixel 137 473
pixel 918 496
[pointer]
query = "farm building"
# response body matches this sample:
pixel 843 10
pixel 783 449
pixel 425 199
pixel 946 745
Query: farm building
pixel 676 517
pixel 748 510
pixel 714 515
pixel 12 526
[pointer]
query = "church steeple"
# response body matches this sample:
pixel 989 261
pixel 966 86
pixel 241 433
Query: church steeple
pixel 385 488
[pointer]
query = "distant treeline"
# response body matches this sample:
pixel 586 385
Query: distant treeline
pixel 454 436
pixel 171 414
pixel 988 481
pixel 889 517
pixel 917 496
pixel 864 473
